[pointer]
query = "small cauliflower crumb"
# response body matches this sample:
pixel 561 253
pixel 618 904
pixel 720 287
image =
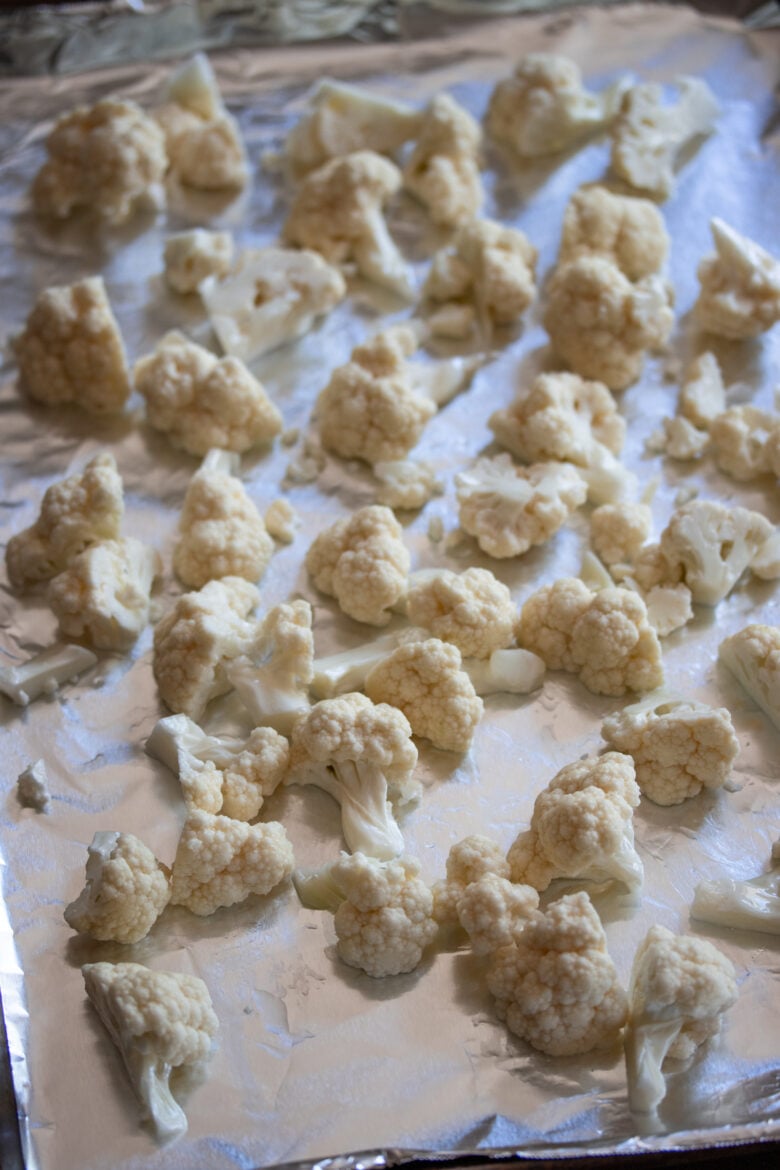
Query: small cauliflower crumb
pixel 32 787
pixel 443 169
pixel 281 520
pixel 190 257
pixel 740 286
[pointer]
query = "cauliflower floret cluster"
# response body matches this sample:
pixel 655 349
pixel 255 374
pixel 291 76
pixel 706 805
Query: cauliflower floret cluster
pixel 190 257
pixel 202 140
pixel 125 893
pixel 740 286
pixel 473 610
pixel 618 531
pixel 628 231
pixel 753 657
pixel 443 169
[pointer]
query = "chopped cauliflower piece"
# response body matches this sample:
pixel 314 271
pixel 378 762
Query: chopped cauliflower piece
pixel 108 158
pixel 605 637
pixel 477 895
pixel 44 673
pixel 221 532
pixel 508 509
pixel 470 859
pixel 190 257
pixel 753 904
pixel 649 136
pixel 544 107
pixel 679 746
pixel 271 296
pixel 740 286
pixel 125 893
pixel 455 320
pixel 508 672
pixel 582 827
pixel 443 169
pixel 103 595
pixel 473 610
pixel 753 657
pixel 556 985
pixel 201 402
pixel 75 512
pixel 281 520
pixel 160 1021
pixel 668 608
pixel 203 141
pixel 618 531
pixel 71 350
pixel 702 395
pixel 272 678
pixel 679 439
pixel 628 231
pixel 708 546
pixel 32 787
pixel 741 439
pixel 362 562
pixel 601 324
pixel 405 483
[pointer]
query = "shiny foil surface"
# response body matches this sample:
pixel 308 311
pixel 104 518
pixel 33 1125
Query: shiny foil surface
pixel 315 1059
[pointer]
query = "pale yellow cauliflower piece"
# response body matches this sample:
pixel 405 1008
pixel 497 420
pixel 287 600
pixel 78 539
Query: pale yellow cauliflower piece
pixel 201 402
pixel 203 141
pixel 753 657
pixel 622 228
pixel 740 286
pixel 702 394
pixel 406 483
pixel 190 257
pixel 618 531
pixel 473 610
pixel 743 440
pixel 679 439
pixel 443 169
pixel 125 893
pixel 108 158
pixel 76 512
pixel 281 520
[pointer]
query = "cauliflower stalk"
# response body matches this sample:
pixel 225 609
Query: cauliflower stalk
pixel 273 677
pixel 740 286
pixel 125 893
pixel 443 169
pixel 753 904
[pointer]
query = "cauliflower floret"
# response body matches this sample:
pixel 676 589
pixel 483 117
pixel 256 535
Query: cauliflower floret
pixel 473 610
pixel 604 637
pixel 679 439
pixel 491 911
pixel 203 141
pixel 362 562
pixel 582 827
pixel 222 534
pixel 443 169
pixel 220 861
pixel 103 595
pixel 678 746
pixel 668 608
pixel 680 987
pixel 618 531
pixel 190 257
pixel 742 439
pixel 749 904
pixel 109 158
pixel 624 229
pixel 71 350
pixel 648 136
pixel 556 985
pixel 337 211
pixel 218 774
pixel 708 546
pixel 78 511
pixel 281 520
pixel 425 681
pixel 508 509
pixel 125 893
pixel 201 402
pixel 406 484
pixel 740 286
pixel 488 267
pixel 601 324
pixel 753 657
pixel 197 638
pixel 273 678
pixel 160 1021
pixel 702 395
pixel 544 107
pixel 468 860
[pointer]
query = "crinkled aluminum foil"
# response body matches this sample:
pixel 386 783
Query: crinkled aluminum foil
pixel 316 1059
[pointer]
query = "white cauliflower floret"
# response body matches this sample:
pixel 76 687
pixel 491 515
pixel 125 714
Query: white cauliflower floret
pixel 125 893
pixel 203 141
pixel 281 520
pixel 32 787
pixel 220 774
pixel 220 861
pixel 473 610
pixel 752 904
pixel 222 534
pixel 544 108
pixel 468 860
pixel 71 349
pixel 201 402
pixel 337 211
pixel 624 229
pixel 668 607
pixel 601 324
pixel 648 136
pixel 273 677
pixel 680 987
pixel 108 158
pixel 103 595
pixel 426 682
pixel 160 1021
pixel 362 562
pixel 362 754
pixel 708 546
pixel 271 296
pixel 679 746
pixel 556 985
pixel 605 637
pixel 193 642
pixel 679 439
pixel 508 509
pixel 443 169
pixel 743 439
pixel 405 484
pixel 76 512
pixel 740 286
pixel 488 267
pixel 582 827
pixel 753 657
pixel 702 395
pixel 190 257
pixel 491 911
pixel 618 531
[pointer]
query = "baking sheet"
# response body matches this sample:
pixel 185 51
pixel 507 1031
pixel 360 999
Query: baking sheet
pixel 315 1058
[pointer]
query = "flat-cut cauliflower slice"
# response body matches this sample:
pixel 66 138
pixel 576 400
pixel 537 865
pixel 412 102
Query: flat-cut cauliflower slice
pixel 202 139
pixel 743 439
pixel 473 610
pixel 544 108
pixel 76 512
pixel 443 169
pixel 753 657
pixel 648 136
pixel 627 230
pixel 201 402
pixel 125 893
pixel 71 349
pixel 618 531
pixel 108 158
pixel 556 985
pixel 190 257
pixel 740 286
pixel 508 509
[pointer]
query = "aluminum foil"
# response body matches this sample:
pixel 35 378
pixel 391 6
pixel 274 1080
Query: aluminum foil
pixel 316 1060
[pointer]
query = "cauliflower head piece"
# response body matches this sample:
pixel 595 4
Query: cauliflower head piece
pixel 623 228
pixel 443 169
pixel 752 655
pixel 743 440
pixel 740 286
pixel 618 531
pixel 470 859
pixel 473 610
pixel 273 678
pixel 702 394
pixel 125 893
pixel 189 257
pixel 203 142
